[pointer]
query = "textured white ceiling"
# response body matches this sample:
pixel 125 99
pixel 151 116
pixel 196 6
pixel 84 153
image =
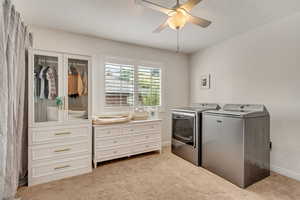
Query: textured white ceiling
pixel 122 20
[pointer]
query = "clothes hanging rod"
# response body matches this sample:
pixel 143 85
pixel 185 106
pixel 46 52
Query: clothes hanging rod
pixel 41 62
pixel 80 64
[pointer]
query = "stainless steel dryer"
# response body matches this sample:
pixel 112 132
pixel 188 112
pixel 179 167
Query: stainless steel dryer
pixel 186 131
pixel 236 143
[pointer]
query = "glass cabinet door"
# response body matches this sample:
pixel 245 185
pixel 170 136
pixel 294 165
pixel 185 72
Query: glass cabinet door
pixel 77 89
pixel 46 88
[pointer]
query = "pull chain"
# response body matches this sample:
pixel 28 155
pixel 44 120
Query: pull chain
pixel 178 49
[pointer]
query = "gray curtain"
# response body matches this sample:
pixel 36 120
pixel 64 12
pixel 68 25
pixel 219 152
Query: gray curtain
pixel 14 41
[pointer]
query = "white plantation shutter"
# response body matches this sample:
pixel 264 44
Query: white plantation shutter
pixel 119 84
pixel 149 86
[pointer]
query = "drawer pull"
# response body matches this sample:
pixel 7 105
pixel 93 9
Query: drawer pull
pixel 62 167
pixel 147 146
pixel 63 133
pixel 115 141
pixel 131 129
pixel 62 150
pixel 115 152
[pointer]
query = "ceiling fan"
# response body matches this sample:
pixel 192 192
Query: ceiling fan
pixel 179 15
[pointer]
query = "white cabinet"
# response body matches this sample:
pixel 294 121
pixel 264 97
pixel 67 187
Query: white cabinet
pixel 58 152
pixel 122 140
pixel 60 131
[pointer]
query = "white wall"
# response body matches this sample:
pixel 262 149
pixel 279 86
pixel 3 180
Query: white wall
pixel 261 66
pixel 175 73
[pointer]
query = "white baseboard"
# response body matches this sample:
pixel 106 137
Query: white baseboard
pixel 166 143
pixel 286 172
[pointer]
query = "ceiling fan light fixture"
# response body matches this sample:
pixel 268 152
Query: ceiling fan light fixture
pixel 177 21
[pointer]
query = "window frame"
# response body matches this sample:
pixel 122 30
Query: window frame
pixel 136 64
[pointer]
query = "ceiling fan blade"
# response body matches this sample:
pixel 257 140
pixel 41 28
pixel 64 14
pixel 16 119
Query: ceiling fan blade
pixel 154 6
pixel 198 21
pixel 190 4
pixel 161 27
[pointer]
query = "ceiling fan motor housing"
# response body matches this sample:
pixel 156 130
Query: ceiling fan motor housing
pixel 177 20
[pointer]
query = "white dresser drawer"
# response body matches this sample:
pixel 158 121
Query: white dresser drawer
pixel 112 152
pixel 145 147
pixel 140 128
pixel 57 135
pixel 60 167
pixel 147 137
pixel 112 141
pixel 106 132
pixel 59 150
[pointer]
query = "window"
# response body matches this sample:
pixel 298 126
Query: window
pixel 119 84
pixel 129 85
pixel 148 86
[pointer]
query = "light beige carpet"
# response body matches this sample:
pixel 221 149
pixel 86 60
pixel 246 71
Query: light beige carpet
pixel 158 176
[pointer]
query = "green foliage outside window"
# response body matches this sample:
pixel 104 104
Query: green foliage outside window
pixel 149 87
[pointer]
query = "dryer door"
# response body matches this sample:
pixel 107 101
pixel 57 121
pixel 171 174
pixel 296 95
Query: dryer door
pixel 184 128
